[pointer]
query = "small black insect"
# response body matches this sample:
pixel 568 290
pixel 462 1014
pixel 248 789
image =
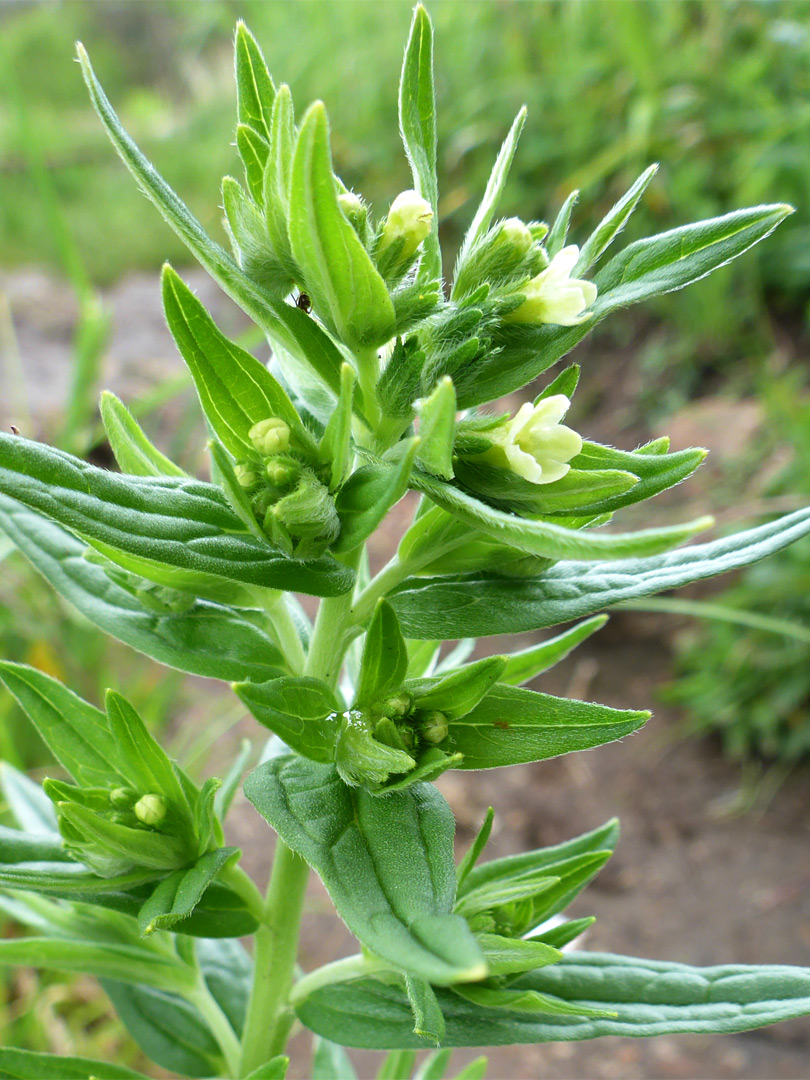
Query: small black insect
pixel 303 301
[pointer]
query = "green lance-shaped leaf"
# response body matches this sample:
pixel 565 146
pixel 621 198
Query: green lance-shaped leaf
pixel 303 712
pixel 176 897
pixel 30 807
pixel 368 495
pixel 612 223
pixel 387 863
pixel 385 658
pixel 108 960
pixel 34 1065
pixel 339 276
pixel 673 259
pixel 495 187
pixel 547 539
pixel 511 956
pixel 204 639
pixel 658 264
pixel 278 178
pixel 236 390
pixel 21 847
pixel 134 453
pixel 254 151
pixel 558 232
pixel 336 443
pixel 527 664
pixel 168 521
pixel 168 1029
pixel 78 734
pixel 417 125
pixel 512 725
pixel 284 323
pixel 458 692
pixel 580 491
pixel 437 420
pixel 476 606
pixel 648 997
pixel 255 92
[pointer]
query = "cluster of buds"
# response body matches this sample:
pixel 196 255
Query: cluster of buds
pixel 511 262
pixel 388 740
pixel 287 492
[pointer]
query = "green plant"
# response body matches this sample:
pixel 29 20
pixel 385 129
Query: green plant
pixel 124 871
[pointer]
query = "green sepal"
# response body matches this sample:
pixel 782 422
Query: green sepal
pixel 368 495
pixel 302 711
pixel 400 382
pixel 473 853
pixel 457 693
pixel 278 178
pixel 387 863
pixel 528 1001
pixel 342 281
pixel 133 451
pixel 558 232
pixel 437 421
pixel 565 383
pixel 274 1069
pixel 360 758
pixel 255 91
pixel 336 444
pixel 578 492
pixel 560 936
pixel 225 476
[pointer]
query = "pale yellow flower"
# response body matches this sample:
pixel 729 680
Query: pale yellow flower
pixel 409 220
pixel 537 445
pixel 553 296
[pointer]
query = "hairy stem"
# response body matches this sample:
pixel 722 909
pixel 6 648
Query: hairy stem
pixel 218 1024
pixel 267 1023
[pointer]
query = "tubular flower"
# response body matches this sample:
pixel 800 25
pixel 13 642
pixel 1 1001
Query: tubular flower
pixel 408 223
pixel 553 296
pixel 536 445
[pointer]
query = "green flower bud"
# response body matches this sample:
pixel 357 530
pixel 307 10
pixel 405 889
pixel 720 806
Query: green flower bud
pixel 507 254
pixel 123 798
pixel 396 706
pixel 305 520
pixel 282 472
pixel 150 809
pixel 270 436
pixel 434 727
pixel 357 213
pixel 246 475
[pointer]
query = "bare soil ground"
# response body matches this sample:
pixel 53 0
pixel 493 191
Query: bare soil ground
pixel 686 882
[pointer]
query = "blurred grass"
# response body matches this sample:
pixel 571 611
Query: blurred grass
pixel 717 91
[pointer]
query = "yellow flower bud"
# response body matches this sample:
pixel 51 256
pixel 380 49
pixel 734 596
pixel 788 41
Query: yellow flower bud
pixel 150 809
pixel 553 296
pixel 434 727
pixel 408 221
pixel 270 436
pixel 246 476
